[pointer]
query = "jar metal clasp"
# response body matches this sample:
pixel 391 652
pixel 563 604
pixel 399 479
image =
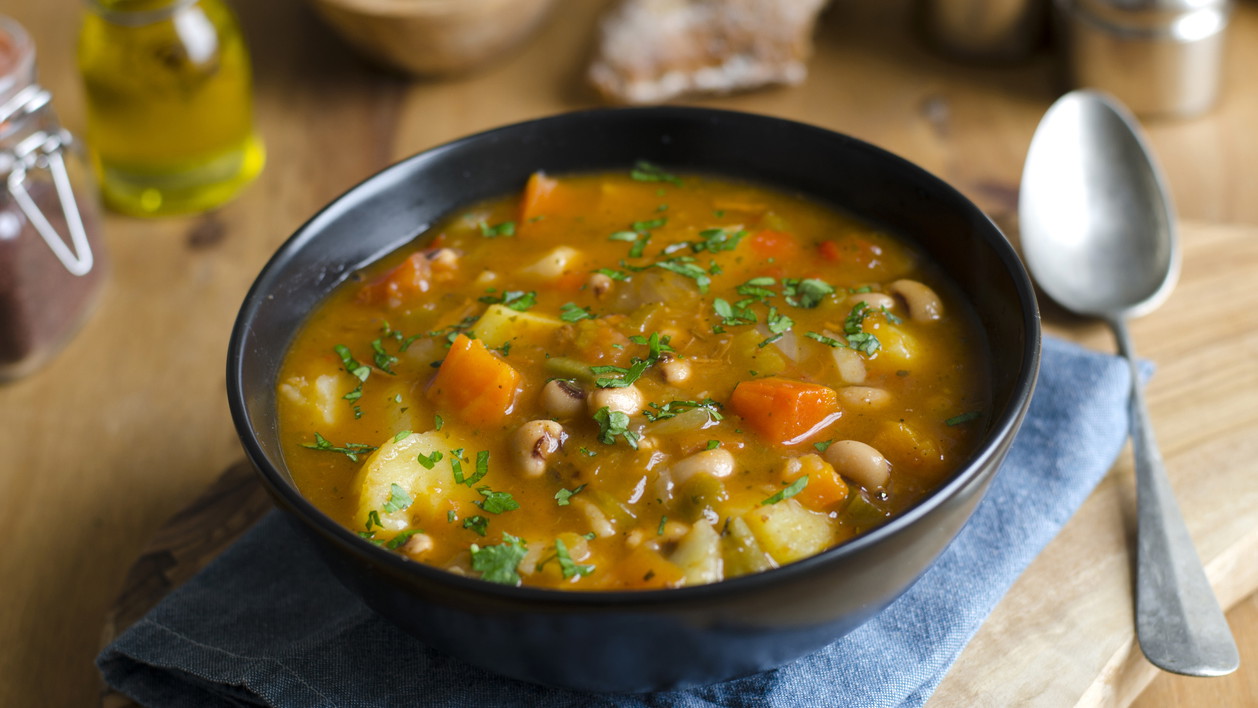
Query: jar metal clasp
pixel 43 150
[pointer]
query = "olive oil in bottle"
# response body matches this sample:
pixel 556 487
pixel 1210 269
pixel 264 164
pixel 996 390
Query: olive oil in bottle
pixel 169 111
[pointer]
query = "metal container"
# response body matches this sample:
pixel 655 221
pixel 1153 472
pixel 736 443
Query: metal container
pixel 1159 57
pixel 984 30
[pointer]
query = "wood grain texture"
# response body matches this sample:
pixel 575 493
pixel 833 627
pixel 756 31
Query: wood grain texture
pixel 130 423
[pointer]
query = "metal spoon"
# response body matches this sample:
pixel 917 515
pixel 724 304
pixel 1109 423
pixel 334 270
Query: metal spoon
pixel 1098 235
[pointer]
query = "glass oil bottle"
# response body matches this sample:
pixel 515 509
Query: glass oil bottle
pixel 169 111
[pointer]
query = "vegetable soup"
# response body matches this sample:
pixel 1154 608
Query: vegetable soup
pixel 633 380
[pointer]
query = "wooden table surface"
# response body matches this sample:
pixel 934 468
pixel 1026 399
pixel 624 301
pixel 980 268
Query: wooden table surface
pixel 130 422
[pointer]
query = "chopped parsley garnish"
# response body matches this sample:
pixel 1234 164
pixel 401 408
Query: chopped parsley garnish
pixel 496 502
pixel 517 300
pixel 398 499
pixel 437 422
pixel 659 530
pixel 672 408
pixel 963 418
pixel 858 339
pixel 735 314
pixel 498 564
pixel 757 288
pixel 430 460
pixel 795 488
pixel 778 323
pixel 456 465
pixel 477 523
pixel 563 496
pixel 506 228
pixel 715 240
pixel 625 377
pixel 400 539
pixel 806 293
pixel 829 341
pixel 649 225
pixel 350 450
pixel 713 444
pixel 373 519
pixel 683 265
pixel 821 446
pixel 355 369
pixel 402 435
pixel 570 312
pixel 614 423
pixel 771 339
pixel 382 359
pixel 588 452
pixel 567 566
pixel 644 171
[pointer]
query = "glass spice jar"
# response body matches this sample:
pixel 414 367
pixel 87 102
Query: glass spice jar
pixel 51 262
pixel 169 106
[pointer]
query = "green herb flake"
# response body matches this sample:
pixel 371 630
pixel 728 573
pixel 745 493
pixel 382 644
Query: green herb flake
pixel 713 444
pixel 429 461
pixel 795 488
pixel 477 523
pixel 567 566
pixel 398 499
pixel 670 410
pixel 715 240
pixel 517 300
pixel 778 323
pixel 350 450
pixel 659 530
pixel 496 502
pixel 644 171
pixel 733 315
pixel 613 273
pixel 498 563
pixel 355 369
pixel 806 293
pixel 402 435
pixel 570 312
pixel 821 446
pixel 612 424
pixel 563 496
pixel 963 418
pixel 683 265
pixel 588 452
pixel 828 341
pixel 506 228
pixel 373 519
pixel 399 540
pixel 437 422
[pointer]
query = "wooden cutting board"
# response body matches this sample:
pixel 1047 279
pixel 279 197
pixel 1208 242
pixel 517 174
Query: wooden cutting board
pixel 1063 635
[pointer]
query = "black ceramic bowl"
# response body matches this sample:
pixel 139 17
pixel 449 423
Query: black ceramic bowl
pixel 653 639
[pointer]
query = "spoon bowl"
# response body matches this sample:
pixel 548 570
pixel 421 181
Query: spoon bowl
pixel 1098 231
pixel 1098 235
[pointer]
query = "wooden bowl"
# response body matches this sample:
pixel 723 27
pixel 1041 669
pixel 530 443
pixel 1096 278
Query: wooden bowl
pixel 433 38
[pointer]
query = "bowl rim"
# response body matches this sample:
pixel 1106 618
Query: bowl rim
pixel 1003 426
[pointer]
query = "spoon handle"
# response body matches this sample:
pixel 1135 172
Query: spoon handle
pixel 1179 623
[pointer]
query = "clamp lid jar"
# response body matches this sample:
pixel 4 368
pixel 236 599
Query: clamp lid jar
pixel 51 262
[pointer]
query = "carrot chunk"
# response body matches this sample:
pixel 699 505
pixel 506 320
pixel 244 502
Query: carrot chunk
pixel 405 280
pixel 540 197
pixel 784 411
pixel 825 487
pixel 474 383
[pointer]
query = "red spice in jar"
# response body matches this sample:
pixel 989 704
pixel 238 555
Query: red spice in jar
pixel 42 302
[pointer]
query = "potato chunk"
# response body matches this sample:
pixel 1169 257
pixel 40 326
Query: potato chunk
pixel 699 555
pixel 788 531
pixel 500 325
pixel 430 490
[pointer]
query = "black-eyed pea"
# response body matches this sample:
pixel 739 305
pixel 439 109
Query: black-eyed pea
pixel 534 443
pixel 859 462
pixel 599 284
pixel 675 371
pixel 627 400
pixel 717 463
pixel 922 302
pixel 418 544
pixel 562 398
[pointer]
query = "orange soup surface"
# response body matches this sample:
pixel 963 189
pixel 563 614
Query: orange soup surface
pixel 633 380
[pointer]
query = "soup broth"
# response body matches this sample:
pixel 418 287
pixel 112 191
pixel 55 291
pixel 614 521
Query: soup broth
pixel 633 380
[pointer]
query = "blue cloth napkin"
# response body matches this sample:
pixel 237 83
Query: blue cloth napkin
pixel 267 625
